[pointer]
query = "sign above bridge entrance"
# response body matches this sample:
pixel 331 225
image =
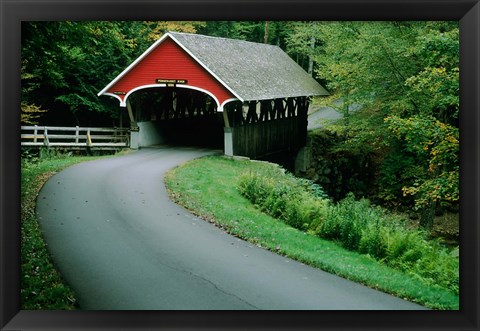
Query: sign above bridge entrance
pixel 171 82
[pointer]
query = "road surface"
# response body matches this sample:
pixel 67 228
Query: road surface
pixel 319 116
pixel 121 244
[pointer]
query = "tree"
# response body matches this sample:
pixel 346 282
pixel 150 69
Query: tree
pixel 435 146
pixel 302 43
pixel 436 85
pixel 247 30
pixel 64 64
pixel 158 29
pixel 405 75
pixel 30 113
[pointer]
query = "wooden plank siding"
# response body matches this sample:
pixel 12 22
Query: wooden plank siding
pixel 264 138
pixel 268 126
pixel 169 61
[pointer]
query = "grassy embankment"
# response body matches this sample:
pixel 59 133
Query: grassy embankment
pixel 209 187
pixel 42 286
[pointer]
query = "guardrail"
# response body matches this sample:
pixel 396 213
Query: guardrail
pixel 74 137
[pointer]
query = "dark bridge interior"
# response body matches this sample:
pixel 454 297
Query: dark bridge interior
pixel 183 116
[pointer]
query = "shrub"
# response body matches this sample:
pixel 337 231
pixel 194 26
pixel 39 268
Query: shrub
pixel 358 226
pixel 295 201
pixel 434 264
pixel 347 221
pixel 372 240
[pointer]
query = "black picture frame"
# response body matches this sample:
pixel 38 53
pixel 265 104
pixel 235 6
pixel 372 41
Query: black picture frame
pixel 13 12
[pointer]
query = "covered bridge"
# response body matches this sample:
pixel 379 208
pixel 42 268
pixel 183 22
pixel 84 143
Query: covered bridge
pixel 251 98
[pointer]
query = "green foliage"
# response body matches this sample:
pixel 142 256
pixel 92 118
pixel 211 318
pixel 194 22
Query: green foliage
pixel 365 61
pixel 436 86
pixel 297 202
pixel 370 230
pixel 356 225
pixel 397 168
pixel 159 28
pixel 406 77
pixel 247 30
pixel 65 64
pixel 404 67
pixel 437 145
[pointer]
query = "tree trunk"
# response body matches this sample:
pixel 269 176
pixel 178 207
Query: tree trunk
pixel 310 57
pixel 427 214
pixel 265 37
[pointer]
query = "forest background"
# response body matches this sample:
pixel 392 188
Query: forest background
pixel 405 76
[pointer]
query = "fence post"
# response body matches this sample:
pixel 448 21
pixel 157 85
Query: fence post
pixel 35 130
pixel 45 135
pixel 89 138
pixel 77 132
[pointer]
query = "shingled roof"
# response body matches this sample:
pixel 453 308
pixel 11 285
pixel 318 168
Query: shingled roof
pixel 253 71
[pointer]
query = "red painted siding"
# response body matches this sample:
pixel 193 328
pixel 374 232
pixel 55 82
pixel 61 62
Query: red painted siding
pixel 170 61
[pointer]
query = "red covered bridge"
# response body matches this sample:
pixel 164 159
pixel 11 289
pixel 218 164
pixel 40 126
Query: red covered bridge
pixel 250 98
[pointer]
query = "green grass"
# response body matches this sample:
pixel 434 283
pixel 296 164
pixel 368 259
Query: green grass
pixel 208 187
pixel 42 286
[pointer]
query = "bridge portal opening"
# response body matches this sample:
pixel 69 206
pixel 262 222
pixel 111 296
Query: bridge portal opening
pixel 176 116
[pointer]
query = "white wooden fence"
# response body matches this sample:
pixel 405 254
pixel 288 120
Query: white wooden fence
pixel 75 137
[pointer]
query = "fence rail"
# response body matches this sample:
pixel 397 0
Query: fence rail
pixel 74 137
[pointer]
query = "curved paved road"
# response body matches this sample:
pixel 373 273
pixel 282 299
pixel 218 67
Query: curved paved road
pixel 122 244
pixel 320 116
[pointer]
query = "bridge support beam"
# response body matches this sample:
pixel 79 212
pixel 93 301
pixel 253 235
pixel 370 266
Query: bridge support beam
pixel 228 142
pixel 228 138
